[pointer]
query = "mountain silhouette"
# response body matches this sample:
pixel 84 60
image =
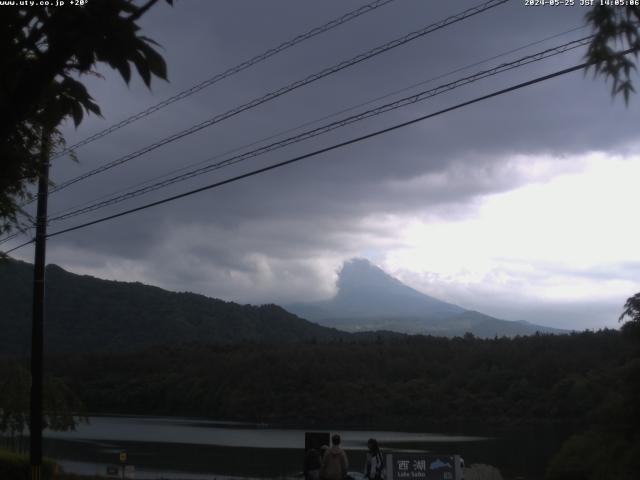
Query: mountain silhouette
pixel 368 298
pixel 87 314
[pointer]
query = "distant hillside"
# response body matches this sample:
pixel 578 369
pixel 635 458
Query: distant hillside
pixel 370 299
pixel 86 314
pixel 364 290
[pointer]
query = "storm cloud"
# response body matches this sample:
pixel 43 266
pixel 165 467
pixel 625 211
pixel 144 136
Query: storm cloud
pixel 281 236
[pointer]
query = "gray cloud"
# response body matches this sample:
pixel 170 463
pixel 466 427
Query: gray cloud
pixel 282 234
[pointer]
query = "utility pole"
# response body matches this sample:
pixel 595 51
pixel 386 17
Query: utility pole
pixel 35 424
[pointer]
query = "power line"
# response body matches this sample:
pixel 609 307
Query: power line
pixel 297 84
pixel 19 246
pixel 421 96
pixel 432 79
pixel 322 150
pixel 6 239
pixel 231 71
pixel 312 122
pixel 327 149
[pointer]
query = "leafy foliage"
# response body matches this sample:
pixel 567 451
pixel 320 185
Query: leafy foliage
pixel 632 310
pixel 62 408
pixel 14 466
pixel 616 29
pixel 43 53
pixel 596 456
pixel 609 448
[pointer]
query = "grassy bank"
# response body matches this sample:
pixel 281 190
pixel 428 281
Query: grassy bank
pixel 15 466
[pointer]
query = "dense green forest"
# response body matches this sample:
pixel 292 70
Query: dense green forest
pixel 261 364
pixel 588 382
pixel 87 314
pixel 413 381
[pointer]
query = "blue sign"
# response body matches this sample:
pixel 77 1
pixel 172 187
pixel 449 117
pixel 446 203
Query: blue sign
pixel 423 467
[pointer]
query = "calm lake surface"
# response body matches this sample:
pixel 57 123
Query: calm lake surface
pixel 187 448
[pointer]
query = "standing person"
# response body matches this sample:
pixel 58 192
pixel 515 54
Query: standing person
pixel 312 463
pixel 334 461
pixel 323 450
pixel 374 468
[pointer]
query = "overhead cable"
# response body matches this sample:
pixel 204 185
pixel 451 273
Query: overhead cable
pixel 403 102
pixel 28 242
pixel 229 72
pixel 311 122
pixel 6 239
pixel 281 91
pixel 326 149
pixel 321 151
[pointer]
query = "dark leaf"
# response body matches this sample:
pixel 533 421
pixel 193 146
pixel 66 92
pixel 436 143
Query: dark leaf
pixel 143 68
pixel 76 110
pixel 124 69
pixel 91 106
pixel 154 60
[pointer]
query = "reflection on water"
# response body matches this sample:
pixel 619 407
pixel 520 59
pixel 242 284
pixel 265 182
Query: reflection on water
pixel 194 449
pixel 194 431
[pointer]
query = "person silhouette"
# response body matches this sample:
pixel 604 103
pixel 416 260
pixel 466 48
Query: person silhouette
pixel 374 467
pixel 334 461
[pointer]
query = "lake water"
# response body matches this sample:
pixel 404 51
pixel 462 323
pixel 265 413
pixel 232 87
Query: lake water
pixel 186 448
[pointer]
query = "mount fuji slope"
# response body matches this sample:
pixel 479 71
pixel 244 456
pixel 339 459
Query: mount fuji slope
pixel 370 299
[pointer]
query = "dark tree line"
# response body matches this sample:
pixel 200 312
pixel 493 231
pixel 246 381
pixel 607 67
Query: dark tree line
pixel 62 408
pixel 587 382
pixel 411 381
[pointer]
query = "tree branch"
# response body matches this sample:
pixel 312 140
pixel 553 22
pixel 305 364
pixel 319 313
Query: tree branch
pixel 142 10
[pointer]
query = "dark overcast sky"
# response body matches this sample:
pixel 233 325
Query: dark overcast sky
pixel 518 206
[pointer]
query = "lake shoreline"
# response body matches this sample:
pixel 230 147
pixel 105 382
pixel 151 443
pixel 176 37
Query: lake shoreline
pixel 461 426
pixel 199 446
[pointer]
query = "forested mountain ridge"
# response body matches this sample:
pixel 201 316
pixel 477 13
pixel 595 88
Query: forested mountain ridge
pixel 87 314
pixel 368 299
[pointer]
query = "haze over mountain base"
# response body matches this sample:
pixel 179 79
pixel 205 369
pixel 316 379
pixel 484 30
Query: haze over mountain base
pixel 86 314
pixel 370 299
